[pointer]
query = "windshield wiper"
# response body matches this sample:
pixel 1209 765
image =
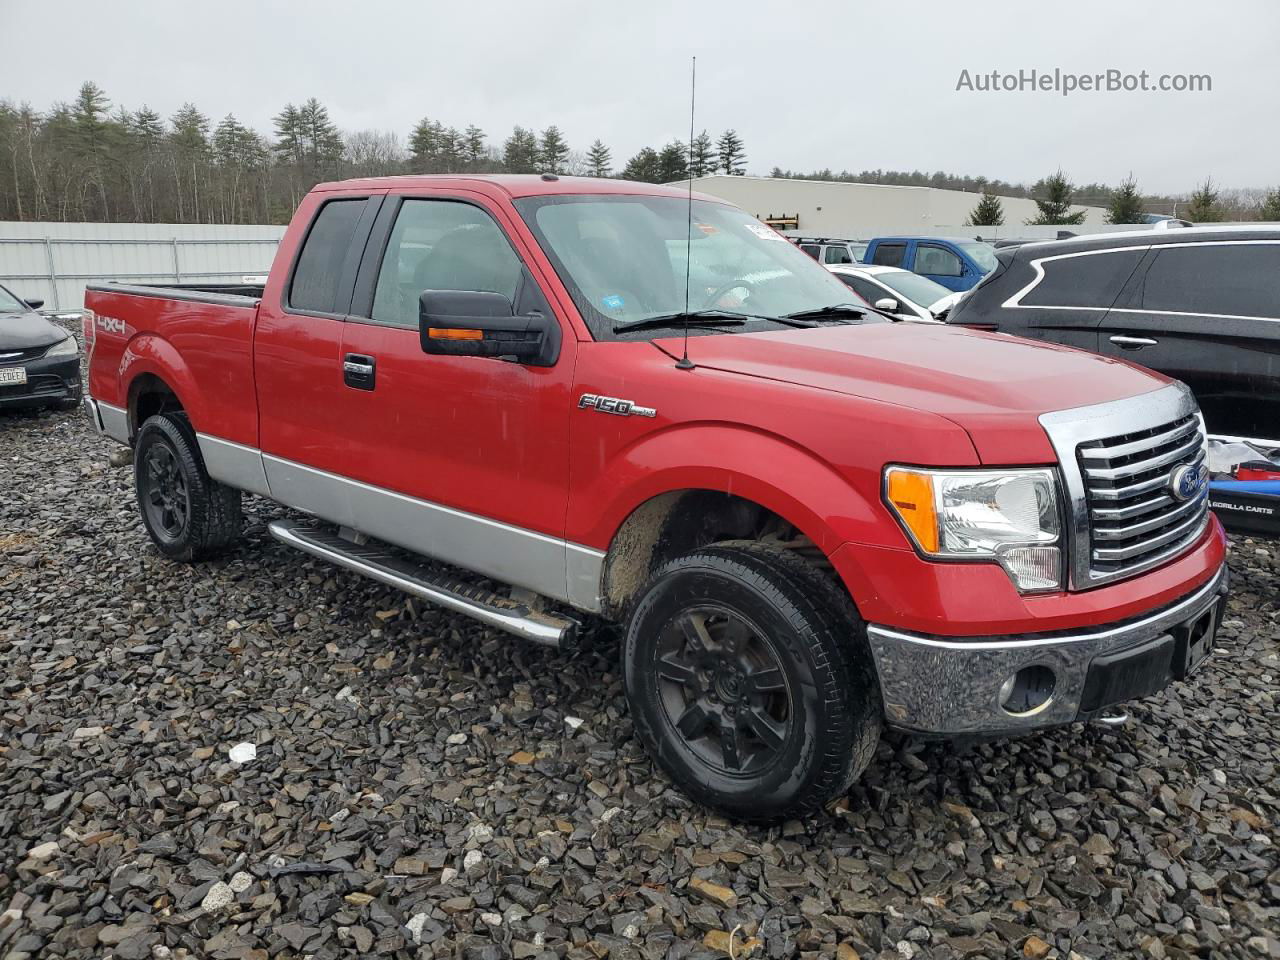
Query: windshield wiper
pixel 702 318
pixel 833 312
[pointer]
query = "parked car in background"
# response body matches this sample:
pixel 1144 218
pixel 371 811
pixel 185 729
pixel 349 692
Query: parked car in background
pixel 957 263
pixel 39 360
pixel 829 250
pixel 1198 304
pixel 906 295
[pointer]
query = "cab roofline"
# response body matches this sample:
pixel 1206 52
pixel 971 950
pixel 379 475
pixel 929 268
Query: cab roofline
pixel 517 185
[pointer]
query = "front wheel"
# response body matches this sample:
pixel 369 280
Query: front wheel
pixel 188 514
pixel 749 683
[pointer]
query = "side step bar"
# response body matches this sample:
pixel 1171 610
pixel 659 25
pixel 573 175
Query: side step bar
pixel 379 564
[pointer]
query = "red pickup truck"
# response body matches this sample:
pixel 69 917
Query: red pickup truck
pixel 605 397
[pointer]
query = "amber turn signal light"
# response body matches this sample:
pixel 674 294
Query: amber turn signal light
pixel 448 333
pixel 911 496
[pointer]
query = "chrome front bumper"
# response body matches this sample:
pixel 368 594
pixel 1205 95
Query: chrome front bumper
pixel 952 687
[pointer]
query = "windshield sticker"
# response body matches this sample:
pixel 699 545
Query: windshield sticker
pixel 613 302
pixel 765 233
pixel 708 229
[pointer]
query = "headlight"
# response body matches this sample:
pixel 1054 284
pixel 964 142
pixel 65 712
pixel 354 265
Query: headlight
pixel 1009 516
pixel 63 348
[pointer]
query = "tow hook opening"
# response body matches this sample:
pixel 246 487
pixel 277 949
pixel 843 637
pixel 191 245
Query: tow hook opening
pixel 1028 691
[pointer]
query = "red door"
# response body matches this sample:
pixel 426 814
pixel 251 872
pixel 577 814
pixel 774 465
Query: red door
pixel 297 360
pixel 479 444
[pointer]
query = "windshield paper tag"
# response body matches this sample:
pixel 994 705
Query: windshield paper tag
pixel 765 233
pixel 613 302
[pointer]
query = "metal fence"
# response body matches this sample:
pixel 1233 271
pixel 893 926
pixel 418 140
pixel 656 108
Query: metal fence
pixel 54 262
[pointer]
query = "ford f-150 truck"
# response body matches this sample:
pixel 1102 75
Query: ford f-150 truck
pixel 603 397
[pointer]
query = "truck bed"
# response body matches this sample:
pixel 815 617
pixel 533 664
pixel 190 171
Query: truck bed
pixel 197 338
pixel 200 292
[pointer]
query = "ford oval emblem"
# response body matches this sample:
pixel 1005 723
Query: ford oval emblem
pixel 1187 481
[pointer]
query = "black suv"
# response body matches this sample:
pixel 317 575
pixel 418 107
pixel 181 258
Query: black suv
pixel 1201 305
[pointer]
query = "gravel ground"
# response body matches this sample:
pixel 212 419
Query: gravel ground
pixel 423 787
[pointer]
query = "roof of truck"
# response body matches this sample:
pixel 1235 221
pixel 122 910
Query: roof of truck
pixel 518 185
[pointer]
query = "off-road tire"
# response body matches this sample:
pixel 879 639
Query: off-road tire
pixel 214 516
pixel 813 628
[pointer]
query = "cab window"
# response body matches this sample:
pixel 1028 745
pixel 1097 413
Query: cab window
pixel 937 262
pixel 837 253
pixel 889 254
pixel 441 245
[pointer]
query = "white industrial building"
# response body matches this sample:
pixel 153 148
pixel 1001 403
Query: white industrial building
pixel 865 210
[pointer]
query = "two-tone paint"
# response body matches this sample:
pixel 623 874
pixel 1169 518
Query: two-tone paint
pixel 499 468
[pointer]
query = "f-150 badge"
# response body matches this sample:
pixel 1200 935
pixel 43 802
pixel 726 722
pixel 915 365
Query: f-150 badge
pixel 614 405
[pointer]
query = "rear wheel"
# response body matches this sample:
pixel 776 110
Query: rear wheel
pixel 748 681
pixel 187 514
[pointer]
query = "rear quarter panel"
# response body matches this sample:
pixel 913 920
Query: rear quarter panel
pixel 202 351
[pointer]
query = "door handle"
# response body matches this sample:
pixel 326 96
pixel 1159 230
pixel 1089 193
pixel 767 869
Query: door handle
pixel 358 371
pixel 1133 343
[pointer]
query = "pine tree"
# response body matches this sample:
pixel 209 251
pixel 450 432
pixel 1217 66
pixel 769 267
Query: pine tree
pixel 1271 206
pixel 1055 207
pixel 424 146
pixel 474 146
pixel 732 154
pixel 702 157
pixel 989 212
pixel 553 151
pixel 1204 204
pixel 672 165
pixel 520 151
pixel 323 142
pixel 599 159
pixel 1126 203
pixel 90 128
pixel 643 166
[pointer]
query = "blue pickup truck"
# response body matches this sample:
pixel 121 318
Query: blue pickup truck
pixel 958 263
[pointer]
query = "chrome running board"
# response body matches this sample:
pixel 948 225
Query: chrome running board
pixel 376 562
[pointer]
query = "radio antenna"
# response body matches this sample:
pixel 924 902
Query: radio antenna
pixel 684 363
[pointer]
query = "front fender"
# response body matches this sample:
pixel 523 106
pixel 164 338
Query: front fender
pixel 829 506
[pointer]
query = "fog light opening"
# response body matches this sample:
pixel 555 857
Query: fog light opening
pixel 1028 691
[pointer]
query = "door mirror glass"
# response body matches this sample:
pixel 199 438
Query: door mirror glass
pixel 470 323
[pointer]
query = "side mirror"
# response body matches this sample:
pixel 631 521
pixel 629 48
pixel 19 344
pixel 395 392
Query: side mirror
pixel 469 323
pixel 887 304
pixel 34 304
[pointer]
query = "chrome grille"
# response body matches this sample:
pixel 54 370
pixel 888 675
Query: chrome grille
pixel 1134 520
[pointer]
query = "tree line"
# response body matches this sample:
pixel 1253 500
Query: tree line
pixel 1055 194
pixel 84 160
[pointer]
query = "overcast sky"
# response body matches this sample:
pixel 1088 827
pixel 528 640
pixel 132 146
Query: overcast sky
pixel 845 84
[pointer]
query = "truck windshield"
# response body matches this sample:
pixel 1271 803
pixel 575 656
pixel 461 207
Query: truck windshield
pixel 623 260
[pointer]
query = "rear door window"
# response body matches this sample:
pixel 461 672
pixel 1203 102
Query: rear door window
pixel 1235 279
pixel 1093 280
pixel 318 274
pixel 836 254
pixel 889 254
pixel 811 249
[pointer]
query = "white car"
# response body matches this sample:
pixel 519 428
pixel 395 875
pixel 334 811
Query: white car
pixel 905 295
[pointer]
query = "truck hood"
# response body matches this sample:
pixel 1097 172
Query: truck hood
pixel 993 385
